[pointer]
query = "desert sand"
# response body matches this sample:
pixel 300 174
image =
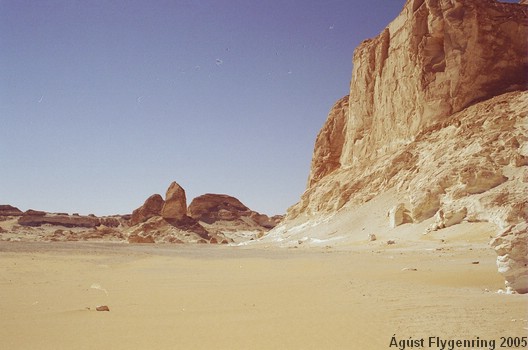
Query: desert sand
pixel 426 153
pixel 225 297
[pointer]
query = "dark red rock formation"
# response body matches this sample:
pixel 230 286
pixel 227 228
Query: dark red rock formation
pixel 152 207
pixel 8 210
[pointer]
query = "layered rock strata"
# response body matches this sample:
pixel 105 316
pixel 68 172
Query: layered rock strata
pixel 8 210
pixel 165 220
pixel 437 110
pixel 35 218
pixel 211 208
pixel 213 218
pixel 152 207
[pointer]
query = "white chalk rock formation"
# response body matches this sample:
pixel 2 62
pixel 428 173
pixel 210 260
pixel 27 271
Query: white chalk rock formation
pixel 512 259
pixel 437 110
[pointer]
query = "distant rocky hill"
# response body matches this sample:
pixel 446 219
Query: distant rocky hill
pixel 437 111
pixel 215 218
pixel 211 218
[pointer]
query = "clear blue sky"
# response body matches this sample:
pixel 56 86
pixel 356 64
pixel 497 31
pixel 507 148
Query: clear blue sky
pixel 103 103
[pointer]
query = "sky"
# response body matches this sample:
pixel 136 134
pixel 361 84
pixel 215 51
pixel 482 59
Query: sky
pixel 104 103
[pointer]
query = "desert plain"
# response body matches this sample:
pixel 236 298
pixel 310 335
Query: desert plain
pixel 411 234
pixel 260 296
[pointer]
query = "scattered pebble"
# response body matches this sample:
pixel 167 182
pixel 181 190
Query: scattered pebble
pixel 475 262
pixel 409 269
pixel 371 237
pixel 390 241
pixel 508 290
pixel 102 308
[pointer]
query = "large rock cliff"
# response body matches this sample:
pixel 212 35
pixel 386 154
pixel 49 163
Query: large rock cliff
pixel 437 111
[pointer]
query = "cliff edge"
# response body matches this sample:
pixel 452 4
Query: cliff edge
pixel 437 114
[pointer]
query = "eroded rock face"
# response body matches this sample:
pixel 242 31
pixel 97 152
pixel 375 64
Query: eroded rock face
pixel 8 210
pixel 35 218
pixel 408 82
pixel 330 140
pixel 152 207
pixel 420 80
pixel 157 229
pixel 437 111
pixel 175 206
pixel 212 218
pixel 428 64
pixel 58 220
pixel 512 259
pixel 398 215
pixel 213 207
pixel 136 238
pixel 266 221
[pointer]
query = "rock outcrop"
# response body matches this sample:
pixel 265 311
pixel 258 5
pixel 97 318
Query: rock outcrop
pixel 437 111
pixel 210 208
pixel 226 216
pixel 152 207
pixel 330 140
pixel 66 220
pixel 512 252
pixel 213 218
pixel 159 220
pixel 217 219
pixel 428 64
pixel 8 210
pixel 32 218
pixel 398 215
pixel 175 206
pixel 136 238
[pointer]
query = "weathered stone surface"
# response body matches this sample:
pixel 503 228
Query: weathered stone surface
pixel 437 112
pixel 266 221
pixel 424 204
pixel 428 64
pixel 190 224
pixel 407 83
pixel 213 207
pixel 220 208
pixel 32 212
pixel 186 230
pixel 209 218
pixel 446 218
pixel 35 218
pixel 175 206
pixel 398 215
pixel 112 221
pixel 8 210
pixel 136 238
pixel 329 142
pixel 152 207
pixel 512 250
pixel 59 220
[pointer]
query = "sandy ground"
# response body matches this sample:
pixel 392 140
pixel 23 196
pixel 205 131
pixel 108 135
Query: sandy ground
pixel 214 297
